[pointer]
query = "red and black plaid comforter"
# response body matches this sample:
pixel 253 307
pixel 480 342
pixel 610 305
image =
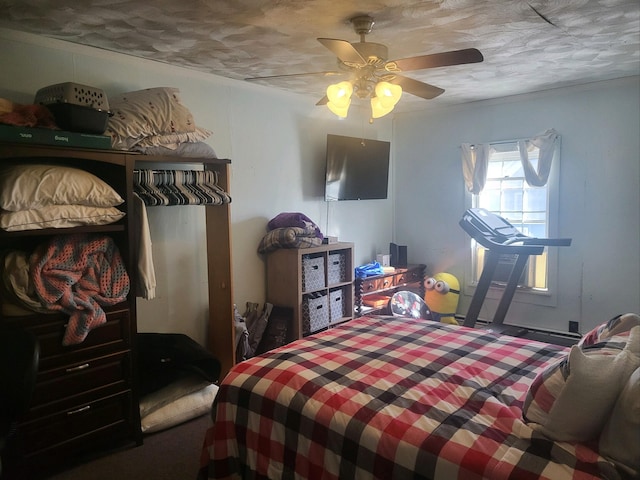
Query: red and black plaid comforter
pixel 389 398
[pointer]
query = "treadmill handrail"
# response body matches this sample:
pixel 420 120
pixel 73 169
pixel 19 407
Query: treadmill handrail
pixel 501 246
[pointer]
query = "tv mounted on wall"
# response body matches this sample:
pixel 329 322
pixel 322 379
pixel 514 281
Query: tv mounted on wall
pixel 357 168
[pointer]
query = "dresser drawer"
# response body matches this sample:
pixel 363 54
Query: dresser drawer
pixel 375 284
pixel 410 276
pixel 72 379
pixel 77 423
pixel 113 335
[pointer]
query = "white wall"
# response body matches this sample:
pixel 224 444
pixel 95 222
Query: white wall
pixel 599 275
pixel 276 142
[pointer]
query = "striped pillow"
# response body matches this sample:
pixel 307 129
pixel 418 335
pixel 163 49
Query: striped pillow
pixel 617 328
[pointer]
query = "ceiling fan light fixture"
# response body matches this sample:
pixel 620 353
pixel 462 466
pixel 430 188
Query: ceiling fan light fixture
pixel 388 94
pixel 378 109
pixel 340 94
pixel 339 111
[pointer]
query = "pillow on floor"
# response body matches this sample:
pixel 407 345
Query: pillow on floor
pixel 172 392
pixel 185 408
pixel 572 399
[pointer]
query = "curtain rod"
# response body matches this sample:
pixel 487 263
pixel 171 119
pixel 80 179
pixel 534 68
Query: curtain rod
pixel 500 142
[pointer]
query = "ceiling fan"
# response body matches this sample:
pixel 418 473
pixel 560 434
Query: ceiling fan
pixel 371 75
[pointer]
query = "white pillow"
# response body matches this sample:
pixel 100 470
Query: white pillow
pixel 58 216
pixel 187 149
pixel 175 390
pixel 25 187
pixel 620 439
pixel 146 113
pixel 581 391
pixel 172 140
pixel 190 406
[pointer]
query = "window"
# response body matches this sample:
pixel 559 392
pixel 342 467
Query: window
pixel 507 193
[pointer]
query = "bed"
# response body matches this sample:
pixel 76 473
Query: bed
pixel 391 398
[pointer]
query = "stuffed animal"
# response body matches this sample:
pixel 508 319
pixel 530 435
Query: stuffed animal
pixel 442 295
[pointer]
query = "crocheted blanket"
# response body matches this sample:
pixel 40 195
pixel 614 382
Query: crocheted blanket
pixel 78 274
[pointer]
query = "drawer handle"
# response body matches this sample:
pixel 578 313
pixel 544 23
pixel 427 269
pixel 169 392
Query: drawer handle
pixel 79 410
pixel 386 282
pixel 370 286
pixel 79 367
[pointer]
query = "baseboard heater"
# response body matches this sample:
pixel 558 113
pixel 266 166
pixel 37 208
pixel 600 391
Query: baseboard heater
pixel 541 335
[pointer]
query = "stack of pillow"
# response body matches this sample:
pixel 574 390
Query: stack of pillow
pixel 593 394
pixel 155 122
pixel 34 197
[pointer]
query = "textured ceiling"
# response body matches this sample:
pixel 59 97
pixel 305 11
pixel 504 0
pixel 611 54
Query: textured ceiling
pixel 527 45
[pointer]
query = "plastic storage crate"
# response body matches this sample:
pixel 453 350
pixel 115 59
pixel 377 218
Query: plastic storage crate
pixel 315 313
pixel 74 94
pixel 75 107
pixel 312 273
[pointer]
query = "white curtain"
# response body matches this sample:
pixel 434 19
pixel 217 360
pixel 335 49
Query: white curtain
pixel 475 160
pixel 547 142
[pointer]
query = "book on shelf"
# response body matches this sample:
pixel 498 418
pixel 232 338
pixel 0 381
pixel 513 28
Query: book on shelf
pixel 47 136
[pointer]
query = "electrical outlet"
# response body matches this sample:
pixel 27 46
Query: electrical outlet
pixel 574 327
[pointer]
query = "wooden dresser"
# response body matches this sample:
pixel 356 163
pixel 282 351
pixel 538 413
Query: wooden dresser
pixel 372 293
pixel 85 396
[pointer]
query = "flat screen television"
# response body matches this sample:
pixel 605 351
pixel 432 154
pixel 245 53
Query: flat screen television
pixel 357 168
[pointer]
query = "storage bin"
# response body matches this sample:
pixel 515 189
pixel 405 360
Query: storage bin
pixel 312 273
pixel 75 107
pixel 336 268
pixel 336 305
pixel 315 313
pixel 376 301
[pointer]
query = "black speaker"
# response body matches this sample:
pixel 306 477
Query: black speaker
pixel 398 255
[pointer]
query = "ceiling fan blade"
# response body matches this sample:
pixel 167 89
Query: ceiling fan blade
pixel 445 59
pixel 417 88
pixel 343 50
pixel 323 101
pixel 269 77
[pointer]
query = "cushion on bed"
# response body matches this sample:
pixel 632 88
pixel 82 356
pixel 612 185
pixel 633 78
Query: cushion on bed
pixel 620 439
pixel 59 216
pixel 147 113
pixel 617 328
pixel 185 408
pixel 25 187
pixel 572 399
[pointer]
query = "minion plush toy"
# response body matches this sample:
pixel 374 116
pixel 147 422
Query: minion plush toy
pixel 442 295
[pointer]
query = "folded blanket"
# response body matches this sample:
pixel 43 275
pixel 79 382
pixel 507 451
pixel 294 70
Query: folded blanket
pixel 77 274
pixel 27 115
pixel 289 237
pixel 294 219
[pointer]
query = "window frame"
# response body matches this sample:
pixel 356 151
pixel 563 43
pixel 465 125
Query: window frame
pixel 546 297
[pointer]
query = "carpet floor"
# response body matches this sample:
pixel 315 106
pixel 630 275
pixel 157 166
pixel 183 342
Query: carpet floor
pixel 172 454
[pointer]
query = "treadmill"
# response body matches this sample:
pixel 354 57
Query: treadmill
pixel 499 237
